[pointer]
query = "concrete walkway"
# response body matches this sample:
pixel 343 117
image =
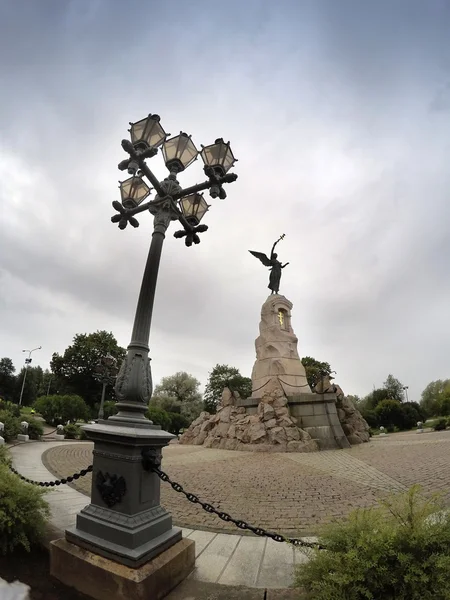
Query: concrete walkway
pixel 221 558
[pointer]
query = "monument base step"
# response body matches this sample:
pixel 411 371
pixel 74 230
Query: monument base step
pixel 104 579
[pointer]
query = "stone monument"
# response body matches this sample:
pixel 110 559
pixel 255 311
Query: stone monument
pixel 283 413
pixel 277 360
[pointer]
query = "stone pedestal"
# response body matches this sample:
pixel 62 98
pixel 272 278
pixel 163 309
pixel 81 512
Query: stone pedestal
pixel 22 437
pixel 125 521
pixel 317 415
pixel 276 350
pixel 2 440
pixel 59 437
pixel 104 579
pixel 277 359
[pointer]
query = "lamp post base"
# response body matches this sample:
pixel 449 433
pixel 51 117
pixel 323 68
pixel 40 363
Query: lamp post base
pixel 124 521
pixel 104 579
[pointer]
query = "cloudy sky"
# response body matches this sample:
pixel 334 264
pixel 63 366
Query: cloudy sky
pixel 338 111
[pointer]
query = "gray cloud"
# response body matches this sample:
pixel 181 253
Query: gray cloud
pixel 338 115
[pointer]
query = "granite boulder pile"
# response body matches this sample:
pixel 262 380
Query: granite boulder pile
pixel 271 429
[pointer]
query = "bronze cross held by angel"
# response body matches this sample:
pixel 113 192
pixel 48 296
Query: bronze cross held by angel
pixel 274 264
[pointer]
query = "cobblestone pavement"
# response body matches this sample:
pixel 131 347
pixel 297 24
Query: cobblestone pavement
pixel 293 493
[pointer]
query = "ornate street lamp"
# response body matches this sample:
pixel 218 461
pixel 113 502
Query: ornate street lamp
pixel 27 364
pixel 133 191
pixel 125 521
pixel 105 372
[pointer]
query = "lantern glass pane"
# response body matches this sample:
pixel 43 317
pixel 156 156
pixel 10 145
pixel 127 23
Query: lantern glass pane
pixel 149 131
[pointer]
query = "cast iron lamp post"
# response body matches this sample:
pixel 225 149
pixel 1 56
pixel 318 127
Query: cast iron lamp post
pixel 27 363
pixel 105 372
pixel 171 203
pixel 125 521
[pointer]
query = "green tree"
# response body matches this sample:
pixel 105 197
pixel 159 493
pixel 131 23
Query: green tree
pixel 394 388
pixel 179 393
pixel 34 374
pixel 314 370
pixel 177 423
pixel 159 417
pixel 433 396
pixel 74 369
pixel 220 377
pixel 45 384
pixel 7 379
pixel 396 414
pixel 422 416
pixel 62 408
pixel 371 401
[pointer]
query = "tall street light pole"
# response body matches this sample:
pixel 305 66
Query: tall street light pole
pixel 405 389
pixel 105 373
pixel 27 363
pixel 125 521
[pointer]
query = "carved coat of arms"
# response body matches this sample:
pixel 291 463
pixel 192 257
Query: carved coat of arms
pixel 112 488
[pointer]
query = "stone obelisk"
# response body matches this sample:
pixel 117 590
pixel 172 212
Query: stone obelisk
pixel 276 350
pixel 277 361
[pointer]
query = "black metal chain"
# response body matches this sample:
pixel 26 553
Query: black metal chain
pixel 277 537
pixel 69 479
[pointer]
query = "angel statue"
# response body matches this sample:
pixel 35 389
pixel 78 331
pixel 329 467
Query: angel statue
pixel 274 264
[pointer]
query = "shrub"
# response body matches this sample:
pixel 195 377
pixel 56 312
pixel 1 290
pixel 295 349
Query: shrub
pixel 60 409
pixel 159 417
pixel 440 424
pixel 49 408
pixel 12 425
pixel 71 431
pixel 13 409
pixel 371 417
pixel 82 435
pixel 5 458
pixel 23 512
pixel 393 551
pixel 73 409
pixel 109 409
pixel 35 428
pixel 177 422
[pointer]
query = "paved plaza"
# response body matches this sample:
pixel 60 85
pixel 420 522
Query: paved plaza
pixel 291 493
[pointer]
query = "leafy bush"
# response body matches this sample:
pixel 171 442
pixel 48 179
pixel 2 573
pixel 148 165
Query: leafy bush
pixel 392 413
pixel 109 409
pixel 60 409
pixel 13 409
pixel 5 458
pixel 12 425
pixel 35 428
pixel 48 407
pixel 82 435
pixel 393 551
pixel 371 417
pixel 177 422
pixel 159 417
pixel 440 425
pixel 23 512
pixel 71 431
